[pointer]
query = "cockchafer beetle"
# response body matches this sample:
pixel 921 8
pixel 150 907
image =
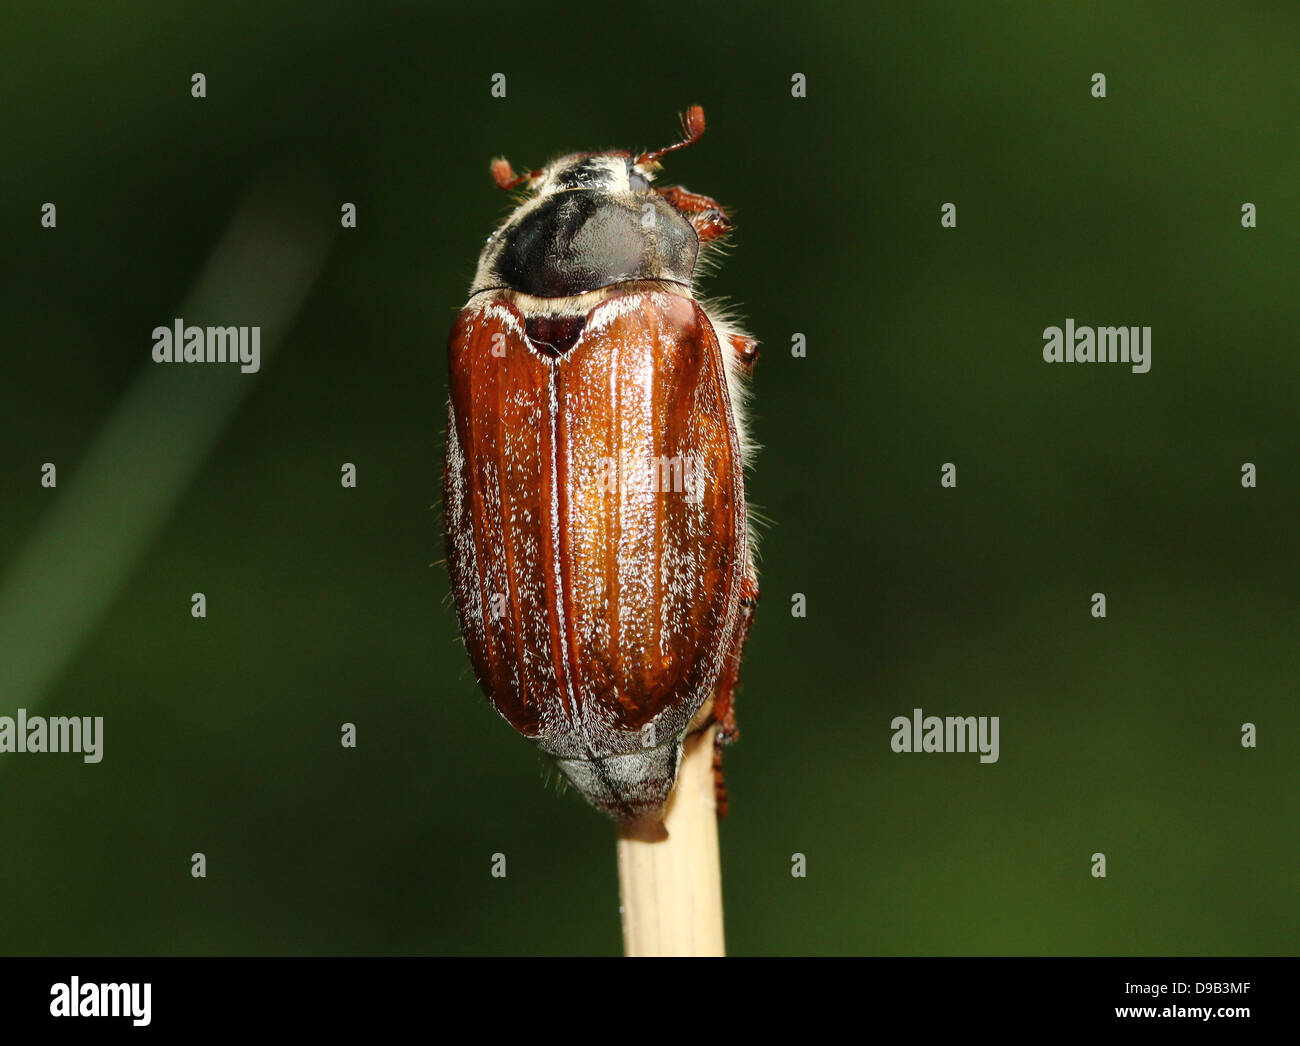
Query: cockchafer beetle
pixel 594 501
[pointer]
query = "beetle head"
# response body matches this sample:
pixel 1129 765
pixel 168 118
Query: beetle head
pixel 593 220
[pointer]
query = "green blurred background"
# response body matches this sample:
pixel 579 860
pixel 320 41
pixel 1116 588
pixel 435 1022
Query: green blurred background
pixel 328 605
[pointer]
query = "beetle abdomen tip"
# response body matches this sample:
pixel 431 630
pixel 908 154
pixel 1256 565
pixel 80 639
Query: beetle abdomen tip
pixel 633 788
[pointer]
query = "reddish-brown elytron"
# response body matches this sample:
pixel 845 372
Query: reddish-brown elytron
pixel 593 490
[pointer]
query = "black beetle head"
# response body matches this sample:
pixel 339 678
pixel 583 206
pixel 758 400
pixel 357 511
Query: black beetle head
pixel 593 220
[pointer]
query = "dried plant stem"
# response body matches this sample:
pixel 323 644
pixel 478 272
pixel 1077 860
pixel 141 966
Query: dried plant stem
pixel 671 890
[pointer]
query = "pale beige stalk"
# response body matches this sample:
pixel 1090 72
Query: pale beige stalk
pixel 671 890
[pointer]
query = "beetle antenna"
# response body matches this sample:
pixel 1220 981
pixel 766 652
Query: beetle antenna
pixel 504 175
pixel 692 130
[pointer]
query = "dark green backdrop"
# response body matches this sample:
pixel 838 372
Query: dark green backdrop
pixel 328 605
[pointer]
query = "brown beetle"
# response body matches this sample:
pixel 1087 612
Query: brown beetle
pixel 594 497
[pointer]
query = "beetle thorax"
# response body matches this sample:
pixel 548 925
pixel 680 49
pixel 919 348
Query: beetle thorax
pixel 593 222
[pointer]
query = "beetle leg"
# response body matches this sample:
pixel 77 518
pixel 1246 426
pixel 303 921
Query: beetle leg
pixel 719 781
pixel 746 351
pixel 724 704
pixel 686 201
pixel 504 175
pixel 703 212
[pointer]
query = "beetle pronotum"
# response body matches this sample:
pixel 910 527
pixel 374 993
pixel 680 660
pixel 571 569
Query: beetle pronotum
pixel 595 517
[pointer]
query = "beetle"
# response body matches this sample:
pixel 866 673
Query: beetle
pixel 597 535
